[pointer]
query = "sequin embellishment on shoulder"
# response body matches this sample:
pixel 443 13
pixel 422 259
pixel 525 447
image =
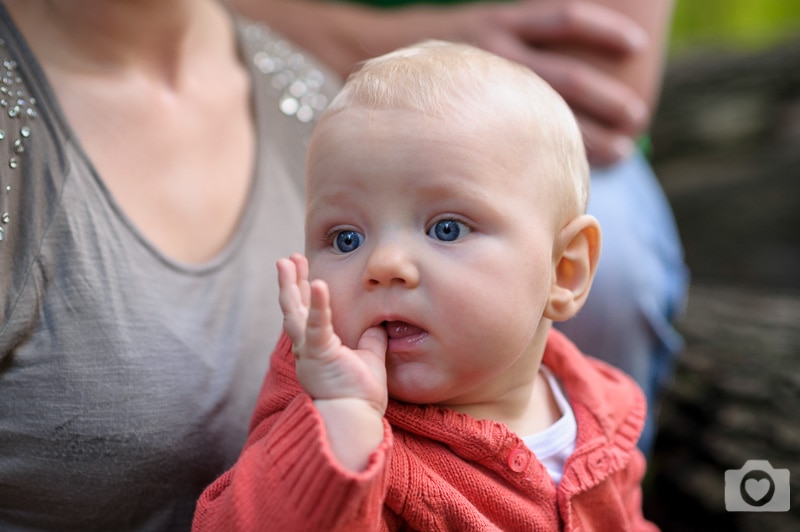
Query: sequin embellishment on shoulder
pixel 19 109
pixel 297 81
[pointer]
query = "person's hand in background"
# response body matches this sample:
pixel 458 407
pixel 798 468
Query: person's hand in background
pixel 603 56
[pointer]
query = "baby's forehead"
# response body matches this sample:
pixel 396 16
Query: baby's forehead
pixel 486 102
pixel 358 138
pixel 463 119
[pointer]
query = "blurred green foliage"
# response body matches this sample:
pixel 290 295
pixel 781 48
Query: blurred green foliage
pixel 742 24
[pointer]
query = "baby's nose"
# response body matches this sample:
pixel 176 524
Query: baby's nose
pixel 391 264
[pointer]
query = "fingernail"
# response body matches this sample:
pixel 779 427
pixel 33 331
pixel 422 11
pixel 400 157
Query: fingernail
pixel 638 113
pixel 622 147
pixel 637 39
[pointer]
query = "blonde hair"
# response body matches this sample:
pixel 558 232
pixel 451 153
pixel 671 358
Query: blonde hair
pixel 437 78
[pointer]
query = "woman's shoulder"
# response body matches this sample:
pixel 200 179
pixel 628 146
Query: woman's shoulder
pixel 290 82
pixel 291 89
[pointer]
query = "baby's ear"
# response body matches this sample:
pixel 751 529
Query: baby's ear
pixel 575 256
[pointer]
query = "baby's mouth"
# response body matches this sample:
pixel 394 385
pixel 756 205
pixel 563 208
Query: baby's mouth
pixel 401 329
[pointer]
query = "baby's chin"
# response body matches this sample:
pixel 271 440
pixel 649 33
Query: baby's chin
pixel 415 386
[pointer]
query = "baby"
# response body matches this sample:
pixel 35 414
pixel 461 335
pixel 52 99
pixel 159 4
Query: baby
pixel 419 384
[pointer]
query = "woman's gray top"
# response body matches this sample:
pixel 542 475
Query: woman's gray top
pixel 127 379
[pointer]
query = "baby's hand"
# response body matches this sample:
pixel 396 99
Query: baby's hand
pixel 327 369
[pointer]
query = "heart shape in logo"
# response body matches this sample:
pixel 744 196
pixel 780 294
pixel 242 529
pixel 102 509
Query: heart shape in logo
pixel 757 489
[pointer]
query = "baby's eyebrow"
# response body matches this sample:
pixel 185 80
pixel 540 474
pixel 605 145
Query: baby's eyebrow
pixel 456 188
pixel 336 198
pixel 330 207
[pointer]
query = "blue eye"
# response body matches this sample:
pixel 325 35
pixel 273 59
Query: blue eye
pixel 347 240
pixel 448 230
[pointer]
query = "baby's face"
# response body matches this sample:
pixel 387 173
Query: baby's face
pixel 445 235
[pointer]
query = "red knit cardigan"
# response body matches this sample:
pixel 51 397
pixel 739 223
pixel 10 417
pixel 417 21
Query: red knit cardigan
pixel 436 469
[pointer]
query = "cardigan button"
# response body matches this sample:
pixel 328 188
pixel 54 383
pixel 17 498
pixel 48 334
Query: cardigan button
pixel 599 461
pixel 518 460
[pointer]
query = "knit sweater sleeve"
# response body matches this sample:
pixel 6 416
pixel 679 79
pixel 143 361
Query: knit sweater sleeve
pixel 287 477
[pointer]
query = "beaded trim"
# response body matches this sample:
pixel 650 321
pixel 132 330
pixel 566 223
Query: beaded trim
pixel 21 109
pixel 297 81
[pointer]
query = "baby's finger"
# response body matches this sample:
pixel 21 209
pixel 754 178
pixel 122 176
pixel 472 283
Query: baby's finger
pixel 291 301
pixel 301 268
pixel 287 272
pixel 319 331
pixel 289 296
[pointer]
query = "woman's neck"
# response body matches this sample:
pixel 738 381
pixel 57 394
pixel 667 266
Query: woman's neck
pixel 105 37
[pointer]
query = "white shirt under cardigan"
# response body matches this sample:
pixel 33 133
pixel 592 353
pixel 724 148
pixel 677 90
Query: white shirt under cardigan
pixel 553 445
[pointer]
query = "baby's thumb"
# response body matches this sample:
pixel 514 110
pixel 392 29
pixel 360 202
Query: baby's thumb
pixel 375 341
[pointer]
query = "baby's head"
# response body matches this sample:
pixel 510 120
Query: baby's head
pixel 446 190
pixel 500 101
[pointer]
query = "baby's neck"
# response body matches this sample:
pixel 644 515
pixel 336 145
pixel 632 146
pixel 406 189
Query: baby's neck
pixel 525 410
pixel 541 411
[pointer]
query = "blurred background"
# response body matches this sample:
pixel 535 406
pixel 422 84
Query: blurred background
pixel 726 146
